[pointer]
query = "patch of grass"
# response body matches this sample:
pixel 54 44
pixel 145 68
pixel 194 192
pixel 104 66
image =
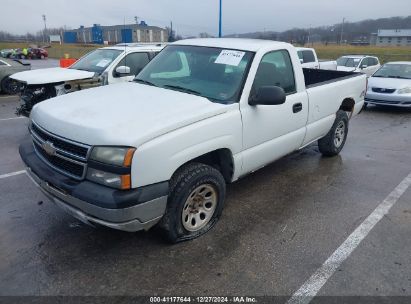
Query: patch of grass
pixel 56 50
pixel 385 54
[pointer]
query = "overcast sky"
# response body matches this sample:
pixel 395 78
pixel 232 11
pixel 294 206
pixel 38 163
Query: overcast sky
pixel 191 17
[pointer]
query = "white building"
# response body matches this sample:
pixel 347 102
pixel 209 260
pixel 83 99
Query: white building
pixel 394 37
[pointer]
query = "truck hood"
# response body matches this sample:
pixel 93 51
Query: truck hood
pixel 52 75
pixel 127 114
pixel 388 83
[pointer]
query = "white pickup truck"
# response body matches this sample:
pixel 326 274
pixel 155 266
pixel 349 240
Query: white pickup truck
pixel 103 66
pixel 308 58
pixel 202 113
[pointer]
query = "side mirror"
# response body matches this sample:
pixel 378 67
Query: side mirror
pixel 123 70
pixel 301 61
pixel 268 95
pixel 364 66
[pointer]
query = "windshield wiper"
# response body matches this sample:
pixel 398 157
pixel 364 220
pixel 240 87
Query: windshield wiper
pixel 399 77
pixel 144 81
pixel 182 89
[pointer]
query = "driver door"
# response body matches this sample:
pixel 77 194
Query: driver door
pixel 272 131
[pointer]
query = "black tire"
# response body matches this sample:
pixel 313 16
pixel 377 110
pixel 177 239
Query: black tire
pixel 9 86
pixel 5 85
pixel 334 141
pixel 184 182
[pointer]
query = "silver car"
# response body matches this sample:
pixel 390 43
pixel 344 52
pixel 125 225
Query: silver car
pixel 390 85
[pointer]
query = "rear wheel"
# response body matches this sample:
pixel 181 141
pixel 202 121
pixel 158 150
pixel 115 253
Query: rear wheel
pixel 195 203
pixel 334 141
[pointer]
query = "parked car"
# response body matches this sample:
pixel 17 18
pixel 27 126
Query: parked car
pixel 6 53
pixel 358 63
pixel 202 113
pixel 38 53
pixel 308 58
pixel 390 85
pixel 7 68
pixel 100 67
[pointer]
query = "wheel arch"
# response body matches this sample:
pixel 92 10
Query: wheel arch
pixel 221 159
pixel 348 105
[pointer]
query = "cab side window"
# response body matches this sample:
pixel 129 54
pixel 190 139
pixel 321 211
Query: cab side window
pixel 308 56
pixel 275 69
pixel 364 62
pixel 372 61
pixel 135 61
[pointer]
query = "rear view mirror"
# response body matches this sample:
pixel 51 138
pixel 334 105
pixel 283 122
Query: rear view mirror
pixel 268 95
pixel 123 70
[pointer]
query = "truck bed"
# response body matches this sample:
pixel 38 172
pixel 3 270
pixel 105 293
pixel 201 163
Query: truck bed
pixel 315 77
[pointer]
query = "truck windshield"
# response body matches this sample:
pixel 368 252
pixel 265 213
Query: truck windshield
pixel 402 71
pixel 96 61
pixel 348 62
pixel 215 73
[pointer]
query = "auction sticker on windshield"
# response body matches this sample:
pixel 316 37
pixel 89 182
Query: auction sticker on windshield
pixel 230 57
pixel 104 62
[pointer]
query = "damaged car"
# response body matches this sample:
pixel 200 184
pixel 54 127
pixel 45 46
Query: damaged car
pixel 102 66
pixel 7 68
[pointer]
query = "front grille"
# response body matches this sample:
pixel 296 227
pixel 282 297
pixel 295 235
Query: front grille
pixel 383 90
pixel 64 166
pixel 65 156
pixel 71 148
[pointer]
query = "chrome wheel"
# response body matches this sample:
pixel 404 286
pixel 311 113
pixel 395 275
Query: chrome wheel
pixel 199 207
pixel 339 134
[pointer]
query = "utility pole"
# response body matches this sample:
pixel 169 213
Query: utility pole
pixel 45 28
pixel 220 21
pixel 170 36
pixel 342 31
pixel 309 34
pixel 136 19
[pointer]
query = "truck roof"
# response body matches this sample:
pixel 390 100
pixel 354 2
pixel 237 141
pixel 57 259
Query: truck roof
pixel 304 49
pixel 251 45
pixel 358 56
pixel 142 48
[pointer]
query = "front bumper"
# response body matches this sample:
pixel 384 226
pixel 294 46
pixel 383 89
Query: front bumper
pixel 398 100
pixel 130 210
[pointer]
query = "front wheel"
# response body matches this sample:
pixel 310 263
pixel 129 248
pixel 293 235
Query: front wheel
pixel 195 203
pixel 334 141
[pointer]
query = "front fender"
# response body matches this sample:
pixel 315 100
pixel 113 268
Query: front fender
pixel 158 159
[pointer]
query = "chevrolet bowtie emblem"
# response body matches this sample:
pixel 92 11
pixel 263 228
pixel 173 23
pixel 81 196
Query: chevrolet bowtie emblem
pixel 49 148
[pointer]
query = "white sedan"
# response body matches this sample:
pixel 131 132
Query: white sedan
pixel 390 85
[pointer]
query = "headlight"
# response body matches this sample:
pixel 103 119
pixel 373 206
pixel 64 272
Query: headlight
pixel 117 156
pixel 111 166
pixel 406 90
pixel 113 180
